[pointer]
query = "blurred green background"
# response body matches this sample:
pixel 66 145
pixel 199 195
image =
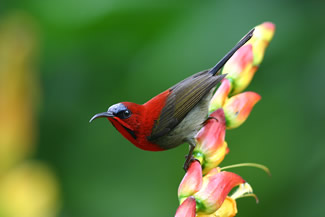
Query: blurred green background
pixel 91 54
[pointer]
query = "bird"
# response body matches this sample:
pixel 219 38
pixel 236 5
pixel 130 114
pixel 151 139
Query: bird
pixel 174 116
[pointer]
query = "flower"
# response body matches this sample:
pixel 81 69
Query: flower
pixel 229 206
pixel 209 192
pixel 228 209
pixel 238 108
pixel 211 146
pixel 242 66
pixel 187 208
pixel 215 188
pixel 192 181
pixel 220 96
pixel 263 34
pixel 240 69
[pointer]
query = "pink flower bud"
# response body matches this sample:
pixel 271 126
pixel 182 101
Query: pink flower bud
pixel 187 208
pixel 243 64
pixel 191 182
pixel 238 107
pixel 240 69
pixel 211 145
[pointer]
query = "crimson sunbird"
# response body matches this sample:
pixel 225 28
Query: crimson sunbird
pixel 174 116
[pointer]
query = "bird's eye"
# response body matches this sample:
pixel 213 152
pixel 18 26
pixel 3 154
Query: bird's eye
pixel 124 114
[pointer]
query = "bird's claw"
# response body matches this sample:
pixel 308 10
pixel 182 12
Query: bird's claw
pixel 210 118
pixel 188 161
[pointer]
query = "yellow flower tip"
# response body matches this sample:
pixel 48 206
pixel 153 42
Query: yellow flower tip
pixel 227 209
pixel 264 32
pixel 229 205
pixel 213 160
pixel 243 81
pixel 238 108
pixel 220 96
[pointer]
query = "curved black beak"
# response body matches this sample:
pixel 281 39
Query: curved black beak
pixel 101 115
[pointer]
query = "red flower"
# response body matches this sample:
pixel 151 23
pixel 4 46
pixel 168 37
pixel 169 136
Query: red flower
pixel 238 107
pixel 242 66
pixel 187 208
pixel 209 191
pixel 211 147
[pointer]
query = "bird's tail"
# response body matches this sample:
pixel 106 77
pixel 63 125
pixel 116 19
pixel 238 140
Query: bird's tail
pixel 223 61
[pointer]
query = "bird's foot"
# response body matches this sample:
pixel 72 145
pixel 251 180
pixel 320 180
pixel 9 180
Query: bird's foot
pixel 188 161
pixel 210 118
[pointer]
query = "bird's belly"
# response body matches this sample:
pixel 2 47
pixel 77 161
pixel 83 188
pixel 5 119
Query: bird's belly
pixel 187 129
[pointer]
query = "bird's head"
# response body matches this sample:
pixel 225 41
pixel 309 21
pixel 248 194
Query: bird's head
pixel 125 117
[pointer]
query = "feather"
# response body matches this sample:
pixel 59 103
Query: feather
pixel 183 98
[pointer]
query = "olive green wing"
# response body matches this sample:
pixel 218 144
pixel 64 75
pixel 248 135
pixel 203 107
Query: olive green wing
pixel 183 98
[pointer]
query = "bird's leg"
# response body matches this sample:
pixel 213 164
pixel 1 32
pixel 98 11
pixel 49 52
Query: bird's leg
pixel 189 157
